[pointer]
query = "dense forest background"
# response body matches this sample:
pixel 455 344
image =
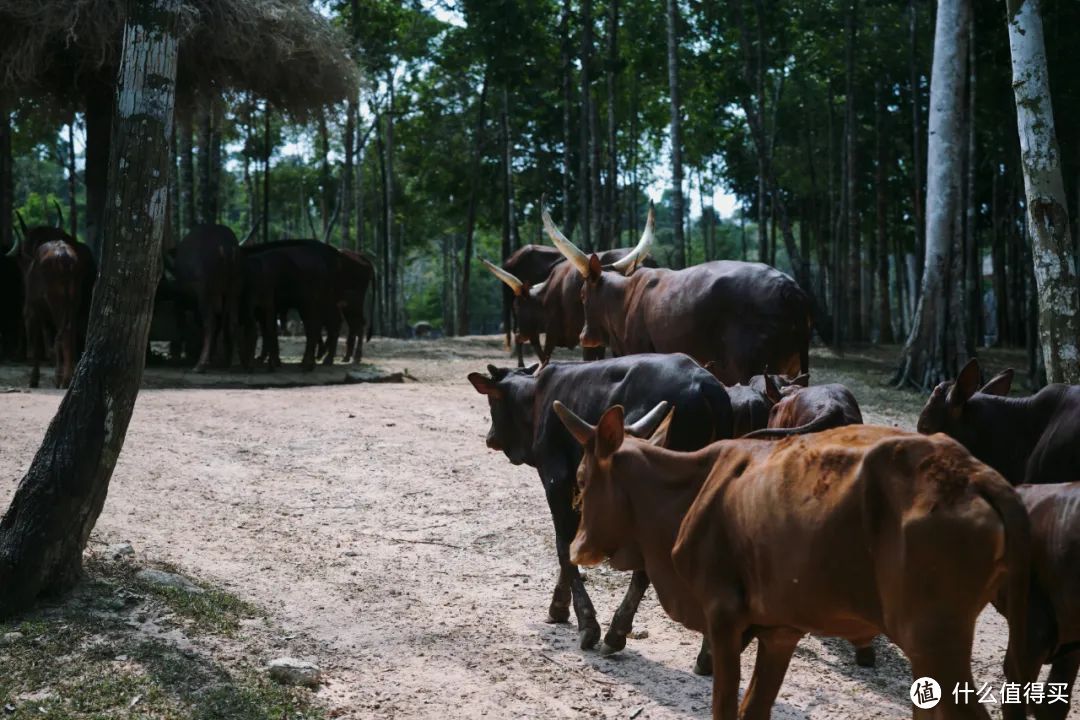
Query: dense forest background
pixel 806 121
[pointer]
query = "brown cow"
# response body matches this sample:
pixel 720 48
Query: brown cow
pixel 1028 440
pixel 744 316
pixel 532 264
pixel 850 532
pixel 361 279
pixel 57 275
pixel 1054 619
pixel 798 410
pixel 553 307
pixel 208 268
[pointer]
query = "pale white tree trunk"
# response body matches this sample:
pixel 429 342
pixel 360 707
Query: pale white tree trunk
pixel 936 339
pixel 1048 217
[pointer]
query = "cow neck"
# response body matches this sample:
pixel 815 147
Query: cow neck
pixel 1009 429
pixel 615 310
pixel 661 485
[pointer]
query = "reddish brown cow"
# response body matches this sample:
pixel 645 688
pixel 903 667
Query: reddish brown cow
pixel 743 539
pixel 1028 440
pixel 531 264
pixel 360 279
pixel 553 307
pixel 743 316
pixel 798 410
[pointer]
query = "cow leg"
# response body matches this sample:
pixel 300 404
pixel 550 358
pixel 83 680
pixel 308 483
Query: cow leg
pixel 1062 671
pixel 36 340
pixel 210 329
pixel 559 610
pixel 940 647
pixel 775 647
pixel 703 663
pixel 566 524
pixel 312 330
pixel 623 621
pixel 725 641
pixel 333 331
pixel 865 655
pixel 520 353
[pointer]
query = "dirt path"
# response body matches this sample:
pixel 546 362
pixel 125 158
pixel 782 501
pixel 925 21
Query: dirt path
pixel 372 520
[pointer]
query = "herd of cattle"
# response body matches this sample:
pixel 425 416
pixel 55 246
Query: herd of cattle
pixel 236 294
pixel 761 507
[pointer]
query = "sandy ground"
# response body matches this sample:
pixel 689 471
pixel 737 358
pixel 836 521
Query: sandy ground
pixel 376 527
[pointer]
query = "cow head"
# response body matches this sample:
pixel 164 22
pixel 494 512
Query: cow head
pixel 604 288
pixel 510 395
pixel 528 301
pixel 602 501
pixel 948 409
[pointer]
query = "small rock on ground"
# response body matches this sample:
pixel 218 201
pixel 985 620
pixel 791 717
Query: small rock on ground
pixel 119 550
pixel 292 671
pixel 160 578
pixel 10 638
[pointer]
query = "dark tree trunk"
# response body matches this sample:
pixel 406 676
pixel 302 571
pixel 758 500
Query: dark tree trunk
pixel 676 132
pixel 916 140
pixel 347 179
pixel 45 529
pixel 612 206
pixel 187 172
pixel 99 108
pixel 973 258
pixel 854 301
pixel 388 207
pixel 885 334
pixel 998 260
pixel 268 149
pixel 7 181
pixel 568 218
pixel 73 184
pixel 507 211
pixel 470 219
pixel 205 162
pixel 326 181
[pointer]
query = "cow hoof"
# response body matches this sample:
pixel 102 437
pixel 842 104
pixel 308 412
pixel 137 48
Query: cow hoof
pixel 703 665
pixel 588 637
pixel 613 643
pixel 864 657
pixel 558 615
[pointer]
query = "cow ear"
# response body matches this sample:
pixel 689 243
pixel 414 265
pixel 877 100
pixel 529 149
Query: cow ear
pixel 485 385
pixel 610 432
pixel 1000 384
pixel 802 380
pixel 595 268
pixel 967 382
pixel 771 391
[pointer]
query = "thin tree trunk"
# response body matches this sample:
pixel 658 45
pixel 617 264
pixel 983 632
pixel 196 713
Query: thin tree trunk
pixel 206 129
pixel 187 172
pixel 46 527
pixel 973 261
pixel 388 209
pixel 676 132
pixel 611 212
pixel 933 349
pixel 326 182
pixel 567 103
pixel 347 180
pixel 1047 216
pixel 470 219
pixel 73 183
pixel 268 149
pixel 507 212
pixel 585 170
pixel 99 108
pixel 7 184
pixel 854 303
pixel 885 333
pixel 1001 329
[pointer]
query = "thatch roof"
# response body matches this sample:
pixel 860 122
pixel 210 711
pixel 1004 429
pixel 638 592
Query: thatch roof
pixel 281 50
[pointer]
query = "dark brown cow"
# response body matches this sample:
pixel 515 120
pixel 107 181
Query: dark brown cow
pixel 1032 440
pixel 361 279
pixel 532 264
pixel 57 276
pixel 553 306
pixel 743 316
pixel 798 410
pixel 745 538
pixel 207 267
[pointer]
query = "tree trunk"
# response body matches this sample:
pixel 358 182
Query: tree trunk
pixel 388 208
pixel 1047 216
pixel 885 334
pixel 507 212
pixel 187 172
pixel 933 349
pixel 206 130
pixel 916 141
pixel 676 132
pixel 73 184
pixel 973 258
pixel 327 190
pixel 268 149
pixel 7 181
pixel 854 304
pixel 45 529
pixel 470 219
pixel 99 109
pixel 611 211
pixel 347 178
pixel 584 166
pixel 567 103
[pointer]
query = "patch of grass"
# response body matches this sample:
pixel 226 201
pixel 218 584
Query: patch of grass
pixel 88 658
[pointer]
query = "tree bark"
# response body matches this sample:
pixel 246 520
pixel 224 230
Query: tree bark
pixel 507 211
pixel 268 150
pixel 611 211
pixel 854 304
pixel 916 140
pixel 973 258
pixel 45 529
pixel 585 161
pixel 1047 216
pixel 936 342
pixel 327 189
pixel 347 178
pixel 388 208
pixel 885 333
pixel 676 130
pixel 470 218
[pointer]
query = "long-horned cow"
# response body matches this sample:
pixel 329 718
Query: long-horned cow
pixel 553 306
pixel 743 317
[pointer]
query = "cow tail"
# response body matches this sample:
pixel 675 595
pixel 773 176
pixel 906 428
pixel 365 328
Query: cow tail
pixel 823 422
pixel 1010 509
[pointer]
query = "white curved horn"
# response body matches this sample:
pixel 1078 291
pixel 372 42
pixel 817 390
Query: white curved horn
pixel 644 427
pixel 512 282
pixel 571 251
pixel 627 264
